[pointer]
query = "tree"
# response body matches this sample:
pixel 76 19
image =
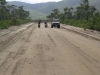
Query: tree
pixel 62 17
pixel 13 10
pixel 3 9
pixel 79 13
pixel 83 10
pixel 55 13
pixel 92 10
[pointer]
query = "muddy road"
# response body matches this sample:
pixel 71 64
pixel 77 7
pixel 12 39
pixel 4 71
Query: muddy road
pixel 30 50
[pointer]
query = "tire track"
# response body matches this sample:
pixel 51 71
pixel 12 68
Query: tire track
pixel 80 53
pixel 19 66
pixel 11 40
pixel 24 47
pixel 13 55
pixel 51 60
pixel 7 63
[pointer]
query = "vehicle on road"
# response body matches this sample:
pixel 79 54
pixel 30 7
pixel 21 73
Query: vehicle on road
pixel 55 23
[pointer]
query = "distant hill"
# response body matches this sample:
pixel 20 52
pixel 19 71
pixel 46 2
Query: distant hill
pixel 36 15
pixel 36 7
pixel 46 8
pixel 43 9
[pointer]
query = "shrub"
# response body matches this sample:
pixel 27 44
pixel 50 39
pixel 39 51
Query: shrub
pixel 4 24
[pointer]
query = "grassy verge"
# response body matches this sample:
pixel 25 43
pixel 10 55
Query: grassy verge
pixel 4 24
pixel 91 24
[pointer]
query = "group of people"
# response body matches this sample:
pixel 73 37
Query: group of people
pixel 45 22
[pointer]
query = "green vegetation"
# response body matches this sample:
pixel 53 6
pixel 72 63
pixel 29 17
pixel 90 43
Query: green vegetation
pixel 12 15
pixel 35 15
pixel 84 16
pixel 41 10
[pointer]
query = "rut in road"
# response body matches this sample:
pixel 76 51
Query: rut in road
pixel 82 55
pixel 20 49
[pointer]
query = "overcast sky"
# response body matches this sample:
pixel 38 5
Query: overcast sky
pixel 34 1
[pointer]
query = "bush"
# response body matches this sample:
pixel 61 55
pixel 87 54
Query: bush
pixel 91 24
pixel 4 24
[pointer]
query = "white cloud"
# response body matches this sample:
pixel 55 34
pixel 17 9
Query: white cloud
pixel 34 1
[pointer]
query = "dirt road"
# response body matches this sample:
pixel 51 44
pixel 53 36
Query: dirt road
pixel 44 51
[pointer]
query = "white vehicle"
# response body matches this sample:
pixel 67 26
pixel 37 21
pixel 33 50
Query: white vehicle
pixel 55 23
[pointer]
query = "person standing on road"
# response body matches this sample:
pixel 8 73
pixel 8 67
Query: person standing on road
pixel 45 22
pixel 39 22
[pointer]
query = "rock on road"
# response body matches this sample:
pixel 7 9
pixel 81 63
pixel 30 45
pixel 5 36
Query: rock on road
pixel 48 51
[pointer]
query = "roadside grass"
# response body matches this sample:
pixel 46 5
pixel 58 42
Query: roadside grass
pixel 4 24
pixel 91 24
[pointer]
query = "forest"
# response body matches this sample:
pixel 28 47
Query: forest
pixel 84 15
pixel 12 15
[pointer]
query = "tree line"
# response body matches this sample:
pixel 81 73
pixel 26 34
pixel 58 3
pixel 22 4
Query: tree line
pixel 12 15
pixel 84 15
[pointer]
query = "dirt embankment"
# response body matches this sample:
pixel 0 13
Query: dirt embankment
pixel 88 33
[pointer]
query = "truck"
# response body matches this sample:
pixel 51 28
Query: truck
pixel 55 23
